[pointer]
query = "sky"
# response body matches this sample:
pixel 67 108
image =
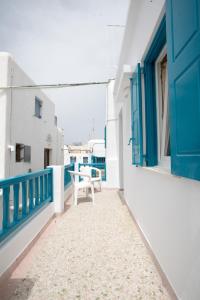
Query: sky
pixel 67 41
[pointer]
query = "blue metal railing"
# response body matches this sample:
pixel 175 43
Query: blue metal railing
pixel 101 166
pixel 21 197
pixel 67 177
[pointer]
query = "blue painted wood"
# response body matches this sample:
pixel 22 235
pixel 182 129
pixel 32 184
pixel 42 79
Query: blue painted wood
pixel 67 177
pixel 41 189
pixel 37 200
pixel 6 208
pixel 183 48
pixel 45 186
pixel 101 166
pixel 24 177
pixel 32 181
pixel 136 117
pixel 16 203
pixel 24 198
pixel 156 47
pixel 97 159
pixel 49 184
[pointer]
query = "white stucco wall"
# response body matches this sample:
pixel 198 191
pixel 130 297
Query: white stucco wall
pixel 19 125
pixel 98 147
pixel 66 156
pixel 112 169
pixel 4 95
pixel 59 146
pixel 166 207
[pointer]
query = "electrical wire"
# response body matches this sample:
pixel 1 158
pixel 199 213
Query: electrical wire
pixel 57 85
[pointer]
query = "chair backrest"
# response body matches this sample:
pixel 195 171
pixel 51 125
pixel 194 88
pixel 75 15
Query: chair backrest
pixel 74 175
pixel 85 170
pixel 92 171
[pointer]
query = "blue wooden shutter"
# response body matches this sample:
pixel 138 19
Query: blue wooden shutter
pixel 27 153
pixel 136 114
pixel 183 41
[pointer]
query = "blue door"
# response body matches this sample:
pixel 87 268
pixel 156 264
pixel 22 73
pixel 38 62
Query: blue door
pixel 136 114
pixel 183 42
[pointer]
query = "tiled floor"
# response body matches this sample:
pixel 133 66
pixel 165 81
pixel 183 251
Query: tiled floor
pixel 90 252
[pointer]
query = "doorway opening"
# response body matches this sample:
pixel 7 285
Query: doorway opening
pixel 47 157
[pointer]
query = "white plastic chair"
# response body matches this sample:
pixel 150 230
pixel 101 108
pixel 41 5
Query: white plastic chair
pixel 86 183
pixel 88 170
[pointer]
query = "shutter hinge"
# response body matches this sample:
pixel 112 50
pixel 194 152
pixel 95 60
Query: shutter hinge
pixel 130 140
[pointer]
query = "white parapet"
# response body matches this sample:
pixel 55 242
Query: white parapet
pixel 17 243
pixel 58 188
pixel 14 247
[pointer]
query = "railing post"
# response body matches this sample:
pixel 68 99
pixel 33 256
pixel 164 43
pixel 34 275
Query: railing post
pixel 58 188
pixel 35 191
pixel 16 202
pixel 6 208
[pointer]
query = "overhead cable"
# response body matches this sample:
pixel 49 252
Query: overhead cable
pixel 53 86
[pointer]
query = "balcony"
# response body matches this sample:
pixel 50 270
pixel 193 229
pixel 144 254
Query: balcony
pixel 88 252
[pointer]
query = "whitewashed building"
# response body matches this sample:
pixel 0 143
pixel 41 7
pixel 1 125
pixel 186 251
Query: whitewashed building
pixel 29 137
pixel 92 152
pixel 77 154
pixel 97 147
pixel 155 116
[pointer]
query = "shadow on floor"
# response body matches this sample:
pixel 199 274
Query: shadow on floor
pixel 67 206
pixel 18 289
pixel 84 199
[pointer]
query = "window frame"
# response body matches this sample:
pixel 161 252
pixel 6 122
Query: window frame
pixel 23 153
pixel 19 152
pixel 151 125
pixel 38 102
pixel 163 160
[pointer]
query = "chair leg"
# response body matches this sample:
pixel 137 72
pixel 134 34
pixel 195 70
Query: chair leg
pixel 86 192
pixel 100 185
pixel 92 191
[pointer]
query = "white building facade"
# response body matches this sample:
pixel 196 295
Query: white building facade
pixel 97 147
pixel 111 127
pixel 92 152
pixel 154 136
pixel 29 137
pixel 77 154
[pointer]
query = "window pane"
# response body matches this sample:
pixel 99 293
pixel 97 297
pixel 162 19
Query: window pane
pixel 38 106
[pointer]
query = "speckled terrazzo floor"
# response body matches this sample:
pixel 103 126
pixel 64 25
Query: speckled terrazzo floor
pixel 89 253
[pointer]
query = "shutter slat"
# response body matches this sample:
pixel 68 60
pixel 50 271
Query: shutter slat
pixel 136 117
pixel 183 41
